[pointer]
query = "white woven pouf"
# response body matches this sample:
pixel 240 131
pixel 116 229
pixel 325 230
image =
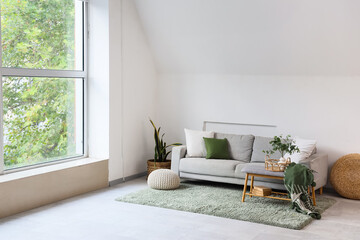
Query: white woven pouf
pixel 163 179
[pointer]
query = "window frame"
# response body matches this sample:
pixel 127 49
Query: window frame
pixel 27 72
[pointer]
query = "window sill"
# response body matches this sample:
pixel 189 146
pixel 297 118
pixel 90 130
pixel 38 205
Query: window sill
pixel 46 169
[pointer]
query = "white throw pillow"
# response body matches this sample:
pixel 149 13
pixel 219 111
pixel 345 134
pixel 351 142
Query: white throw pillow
pixel 195 142
pixel 305 146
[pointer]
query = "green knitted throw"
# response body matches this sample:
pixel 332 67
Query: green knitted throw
pixel 297 179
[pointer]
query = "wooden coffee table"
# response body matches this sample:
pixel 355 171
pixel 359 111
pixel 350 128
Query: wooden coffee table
pixel 258 171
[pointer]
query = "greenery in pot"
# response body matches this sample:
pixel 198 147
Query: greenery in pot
pixel 282 145
pixel 161 152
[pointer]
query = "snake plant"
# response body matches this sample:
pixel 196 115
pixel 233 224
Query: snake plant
pixel 160 145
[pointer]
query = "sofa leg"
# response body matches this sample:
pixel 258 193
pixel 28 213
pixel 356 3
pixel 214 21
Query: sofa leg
pixel 321 190
pixel 245 185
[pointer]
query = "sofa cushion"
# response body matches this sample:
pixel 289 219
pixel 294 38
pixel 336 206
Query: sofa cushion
pixel 217 148
pixel 239 172
pixel 260 144
pixel 214 167
pixel 240 146
pixel 306 147
pixel 195 143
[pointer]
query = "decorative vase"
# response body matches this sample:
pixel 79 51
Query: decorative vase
pixel 152 165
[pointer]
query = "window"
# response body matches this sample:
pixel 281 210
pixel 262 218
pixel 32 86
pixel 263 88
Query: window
pixel 43 75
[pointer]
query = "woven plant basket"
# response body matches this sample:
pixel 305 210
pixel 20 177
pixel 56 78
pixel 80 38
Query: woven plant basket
pixel 345 176
pixel 274 165
pixel 152 166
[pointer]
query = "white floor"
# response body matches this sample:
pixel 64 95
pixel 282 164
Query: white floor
pixel 97 216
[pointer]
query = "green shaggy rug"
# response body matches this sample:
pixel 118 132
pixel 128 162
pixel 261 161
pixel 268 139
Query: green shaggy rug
pixel 224 200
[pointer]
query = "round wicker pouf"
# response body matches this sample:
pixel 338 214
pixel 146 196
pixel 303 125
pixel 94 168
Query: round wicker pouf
pixel 345 177
pixel 163 179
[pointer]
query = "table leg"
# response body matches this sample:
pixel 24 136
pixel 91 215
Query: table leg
pixel 245 185
pixel 313 195
pixel 321 190
pixel 251 184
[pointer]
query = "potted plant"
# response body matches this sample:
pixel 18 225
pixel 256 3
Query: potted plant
pixel 160 153
pixel 283 146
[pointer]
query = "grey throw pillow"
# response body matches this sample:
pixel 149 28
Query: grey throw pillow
pixel 240 146
pixel 260 144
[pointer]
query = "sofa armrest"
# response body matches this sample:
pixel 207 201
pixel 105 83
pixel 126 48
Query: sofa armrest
pixel 318 163
pixel 177 154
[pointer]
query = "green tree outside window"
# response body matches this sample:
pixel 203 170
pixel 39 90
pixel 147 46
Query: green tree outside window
pixel 39 113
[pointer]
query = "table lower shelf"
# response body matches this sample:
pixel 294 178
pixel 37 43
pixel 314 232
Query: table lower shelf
pixel 272 197
pixel 252 175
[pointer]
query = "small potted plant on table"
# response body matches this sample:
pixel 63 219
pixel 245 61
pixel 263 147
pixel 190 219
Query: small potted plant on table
pixel 283 146
pixel 161 153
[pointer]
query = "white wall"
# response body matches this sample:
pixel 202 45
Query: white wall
pixel 115 78
pixel 139 89
pixel 98 80
pixel 309 91
pixel 323 108
pixel 133 80
pixel 285 37
pixel 122 87
pixel 294 64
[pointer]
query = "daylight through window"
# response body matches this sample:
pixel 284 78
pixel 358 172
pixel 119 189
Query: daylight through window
pixel 43 76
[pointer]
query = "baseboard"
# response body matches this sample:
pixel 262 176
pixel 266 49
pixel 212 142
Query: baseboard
pixel 128 178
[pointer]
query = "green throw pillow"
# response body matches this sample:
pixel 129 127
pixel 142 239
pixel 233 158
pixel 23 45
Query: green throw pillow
pixel 217 148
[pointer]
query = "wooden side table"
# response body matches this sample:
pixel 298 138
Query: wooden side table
pixel 258 171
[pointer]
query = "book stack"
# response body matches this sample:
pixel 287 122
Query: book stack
pixel 261 191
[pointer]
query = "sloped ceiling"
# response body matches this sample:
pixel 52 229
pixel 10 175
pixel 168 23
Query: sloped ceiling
pixel 295 37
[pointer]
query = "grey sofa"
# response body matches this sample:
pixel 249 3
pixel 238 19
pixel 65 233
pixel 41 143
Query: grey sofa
pixel 244 150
